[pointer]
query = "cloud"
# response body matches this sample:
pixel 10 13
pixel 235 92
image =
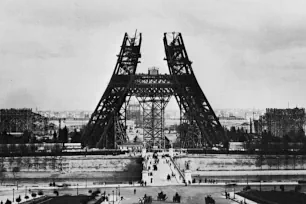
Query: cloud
pixel 20 98
pixel 32 49
pixel 240 49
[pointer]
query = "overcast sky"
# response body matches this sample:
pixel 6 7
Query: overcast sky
pixel 59 55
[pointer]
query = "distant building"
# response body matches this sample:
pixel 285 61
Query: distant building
pixel 131 146
pixel 281 121
pixel 134 113
pixel 20 120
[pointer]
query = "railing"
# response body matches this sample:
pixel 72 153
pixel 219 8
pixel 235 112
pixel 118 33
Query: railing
pixel 175 165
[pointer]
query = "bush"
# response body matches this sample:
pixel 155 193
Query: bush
pixel 55 192
pixel 247 188
pixel 33 195
pixel 18 200
pixel 26 197
pixel 8 201
pixel 16 169
pixel 90 191
pixel 297 188
pixel 40 193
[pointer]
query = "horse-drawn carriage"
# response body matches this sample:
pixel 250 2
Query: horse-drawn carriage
pixel 161 196
pixel 145 200
pixel 209 200
pixel 176 198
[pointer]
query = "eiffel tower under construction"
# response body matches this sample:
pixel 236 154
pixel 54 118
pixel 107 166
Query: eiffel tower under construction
pixel 199 126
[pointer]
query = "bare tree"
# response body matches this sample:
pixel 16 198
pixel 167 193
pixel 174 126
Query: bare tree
pixel 2 176
pixel 14 171
pixel 36 162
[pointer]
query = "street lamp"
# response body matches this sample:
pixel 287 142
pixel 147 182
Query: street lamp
pixel 119 190
pixel 234 192
pixel 77 189
pixel 247 179
pixel 113 197
pixel 86 181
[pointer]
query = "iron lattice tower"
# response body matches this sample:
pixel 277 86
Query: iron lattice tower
pixel 154 114
pixel 199 124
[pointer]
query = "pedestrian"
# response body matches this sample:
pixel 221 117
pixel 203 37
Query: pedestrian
pixel 151 180
pixel 145 183
pixel 134 191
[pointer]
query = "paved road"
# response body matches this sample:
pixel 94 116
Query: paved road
pixel 194 195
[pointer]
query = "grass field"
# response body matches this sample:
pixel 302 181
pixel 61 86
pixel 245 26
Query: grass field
pixel 269 197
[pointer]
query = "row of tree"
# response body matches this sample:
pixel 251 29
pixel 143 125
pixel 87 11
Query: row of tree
pixel 28 137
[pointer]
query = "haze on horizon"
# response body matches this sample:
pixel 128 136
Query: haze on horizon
pixel 60 55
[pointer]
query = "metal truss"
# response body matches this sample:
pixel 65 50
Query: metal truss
pixel 99 131
pixel 200 126
pixel 154 121
pixel 190 95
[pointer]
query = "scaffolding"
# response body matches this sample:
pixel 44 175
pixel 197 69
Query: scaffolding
pixel 281 122
pixel 20 120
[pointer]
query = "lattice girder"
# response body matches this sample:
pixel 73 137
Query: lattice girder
pixel 106 127
pixel 190 93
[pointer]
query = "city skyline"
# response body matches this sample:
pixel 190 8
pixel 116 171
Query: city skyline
pixel 60 55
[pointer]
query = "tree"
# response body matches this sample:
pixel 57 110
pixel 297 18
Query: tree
pixel 264 141
pixel 8 201
pixel 2 176
pixel 33 195
pixel 76 137
pixel 226 145
pixel 14 171
pixel 300 135
pixel 5 137
pixel 54 137
pixel 298 188
pixel 63 135
pixel 5 149
pixel 55 192
pixel 57 149
pixel 286 140
pixel 233 129
pixel 32 148
pixel 23 149
pixel 12 148
pixel 40 193
pixel 242 138
pixel 26 136
pixel 18 200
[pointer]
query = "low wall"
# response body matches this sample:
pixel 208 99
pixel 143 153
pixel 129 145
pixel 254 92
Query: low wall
pixel 111 169
pixel 242 167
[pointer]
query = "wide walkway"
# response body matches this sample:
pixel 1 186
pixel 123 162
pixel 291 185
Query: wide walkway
pixel 165 167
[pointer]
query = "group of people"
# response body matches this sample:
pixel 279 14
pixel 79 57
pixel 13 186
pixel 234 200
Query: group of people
pixel 169 177
pixel 213 181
